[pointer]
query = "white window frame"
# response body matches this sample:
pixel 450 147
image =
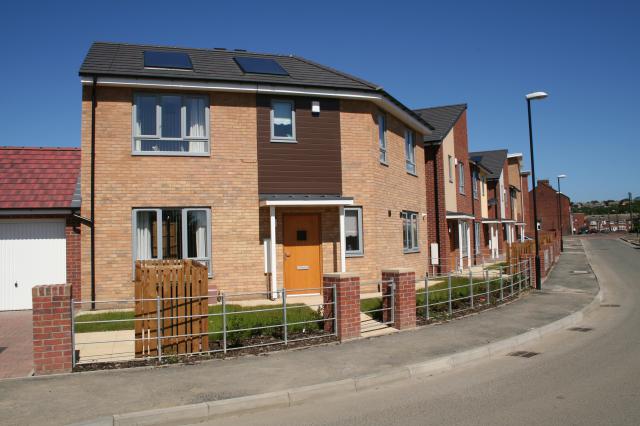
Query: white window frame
pixel 451 169
pixel 280 139
pixel 184 210
pixel 483 184
pixel 356 253
pixel 183 131
pixel 461 177
pixel 382 138
pixel 410 152
pixel 412 219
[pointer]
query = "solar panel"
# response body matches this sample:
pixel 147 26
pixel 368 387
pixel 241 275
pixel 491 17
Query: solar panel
pixel 176 60
pixel 259 65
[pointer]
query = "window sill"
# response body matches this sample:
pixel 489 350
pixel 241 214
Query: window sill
pixel 354 255
pixel 411 251
pixel 412 173
pixel 169 154
pixel 284 141
pixel 384 163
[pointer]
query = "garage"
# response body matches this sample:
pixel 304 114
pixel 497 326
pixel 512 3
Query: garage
pixel 32 252
pixel 39 222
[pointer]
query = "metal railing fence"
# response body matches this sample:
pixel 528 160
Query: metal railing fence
pixel 231 326
pixel 449 294
pixel 378 303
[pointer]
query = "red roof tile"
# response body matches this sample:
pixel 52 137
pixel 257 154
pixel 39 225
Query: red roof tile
pixel 32 178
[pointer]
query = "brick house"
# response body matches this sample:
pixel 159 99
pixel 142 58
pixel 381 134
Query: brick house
pixel 526 206
pixel 517 196
pixel 499 224
pixel 451 187
pixel 39 226
pixel 579 222
pixel 270 169
pixel 547 203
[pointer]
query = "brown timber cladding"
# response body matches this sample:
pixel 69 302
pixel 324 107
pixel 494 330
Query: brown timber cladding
pixel 310 166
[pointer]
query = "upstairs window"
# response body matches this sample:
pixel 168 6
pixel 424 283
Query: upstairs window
pixel 283 121
pixel 484 184
pixel 409 152
pixel 450 169
pixel 410 232
pixel 475 184
pixel 353 231
pixel 382 137
pixel 170 124
pixel 461 177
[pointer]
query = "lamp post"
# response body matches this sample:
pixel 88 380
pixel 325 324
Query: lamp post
pixel 560 210
pixel 530 97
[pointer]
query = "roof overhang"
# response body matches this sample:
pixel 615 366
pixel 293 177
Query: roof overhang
pixel 508 221
pixel 297 200
pixel 515 155
pixel 460 216
pixel 491 221
pixel 36 212
pixel 525 173
pixel 385 102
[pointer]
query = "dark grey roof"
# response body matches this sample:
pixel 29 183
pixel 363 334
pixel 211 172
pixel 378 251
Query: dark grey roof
pixel 126 60
pixel 300 197
pixel 119 59
pixel 493 161
pixel 442 118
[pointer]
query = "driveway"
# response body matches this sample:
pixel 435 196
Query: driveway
pixel 16 359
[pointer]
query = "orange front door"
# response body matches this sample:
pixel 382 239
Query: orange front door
pixel 302 254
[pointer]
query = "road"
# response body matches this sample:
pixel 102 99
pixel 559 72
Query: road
pixel 590 377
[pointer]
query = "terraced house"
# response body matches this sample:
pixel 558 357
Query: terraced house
pixel 450 189
pixel 500 223
pixel 270 169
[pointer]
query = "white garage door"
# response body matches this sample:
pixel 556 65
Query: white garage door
pixel 32 252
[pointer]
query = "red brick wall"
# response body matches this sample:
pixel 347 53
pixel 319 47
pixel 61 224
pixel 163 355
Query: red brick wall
pixel 347 302
pixel 404 299
pixel 461 150
pixel 52 345
pixel 434 173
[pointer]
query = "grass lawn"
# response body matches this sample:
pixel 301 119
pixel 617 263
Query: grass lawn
pixel 235 321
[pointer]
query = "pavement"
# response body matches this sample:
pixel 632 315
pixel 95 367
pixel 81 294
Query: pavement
pixel 69 398
pixel 584 376
pixel 16 330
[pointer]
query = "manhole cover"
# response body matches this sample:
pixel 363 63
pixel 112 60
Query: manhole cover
pixel 524 354
pixel 582 329
pixel 610 305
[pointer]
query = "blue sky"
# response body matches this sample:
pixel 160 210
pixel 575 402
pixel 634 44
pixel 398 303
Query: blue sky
pixel 488 54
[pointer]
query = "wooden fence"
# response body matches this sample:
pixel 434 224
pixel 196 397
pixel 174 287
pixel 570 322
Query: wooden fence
pixel 175 291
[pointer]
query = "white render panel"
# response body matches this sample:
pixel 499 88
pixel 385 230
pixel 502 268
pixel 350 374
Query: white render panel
pixel 32 252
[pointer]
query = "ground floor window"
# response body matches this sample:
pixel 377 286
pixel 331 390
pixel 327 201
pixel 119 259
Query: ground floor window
pixel 464 237
pixel 410 232
pixel 172 233
pixel 353 231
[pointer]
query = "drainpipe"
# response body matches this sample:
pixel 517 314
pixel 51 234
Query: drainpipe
pixel 437 204
pixel 93 187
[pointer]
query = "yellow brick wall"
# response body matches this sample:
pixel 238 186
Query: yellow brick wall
pixel 381 188
pixel 226 182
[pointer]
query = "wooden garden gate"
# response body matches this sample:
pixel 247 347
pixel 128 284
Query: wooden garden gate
pixel 171 307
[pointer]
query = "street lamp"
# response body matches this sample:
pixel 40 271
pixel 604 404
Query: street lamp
pixel 560 210
pixel 534 96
